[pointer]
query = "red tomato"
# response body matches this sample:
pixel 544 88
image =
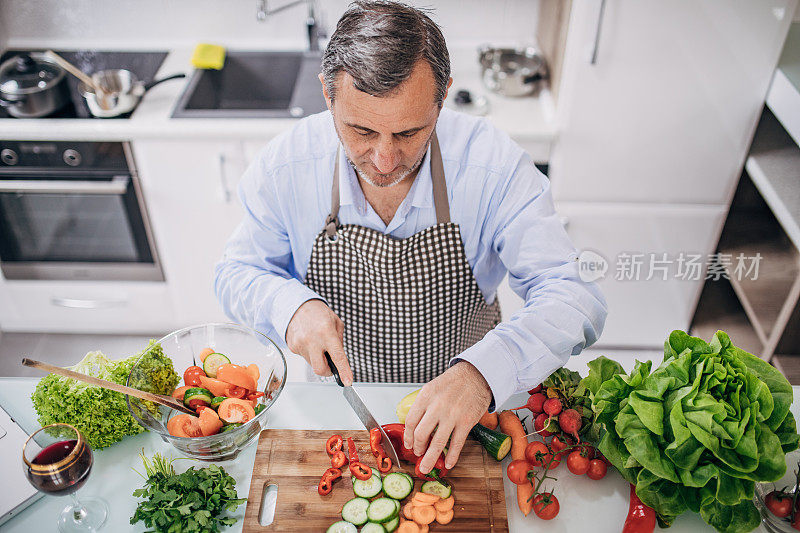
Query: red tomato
pixel 180 391
pixel 192 376
pixel 184 425
pixel 197 402
pixel 545 506
pixel 537 453
pixel 597 469
pixel 779 503
pixel 232 391
pixel 577 463
pixel 588 450
pixel 236 375
pixel 558 446
pixel 236 410
pixel 518 471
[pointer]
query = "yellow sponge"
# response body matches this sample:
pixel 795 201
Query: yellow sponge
pixel 208 56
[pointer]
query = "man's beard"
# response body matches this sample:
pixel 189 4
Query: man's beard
pixel 397 179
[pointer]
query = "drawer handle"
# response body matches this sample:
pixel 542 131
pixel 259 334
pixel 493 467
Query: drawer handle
pixel 79 303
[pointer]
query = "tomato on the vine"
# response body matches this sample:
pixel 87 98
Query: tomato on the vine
pixel 191 376
pixel 537 453
pixel 578 463
pixel 779 503
pixel 597 469
pixel 545 506
pixel 518 471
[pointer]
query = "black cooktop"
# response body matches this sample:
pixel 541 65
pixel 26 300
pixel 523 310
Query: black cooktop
pixel 144 64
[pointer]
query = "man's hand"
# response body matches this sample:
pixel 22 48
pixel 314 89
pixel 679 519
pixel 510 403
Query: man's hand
pixel 315 329
pixel 451 404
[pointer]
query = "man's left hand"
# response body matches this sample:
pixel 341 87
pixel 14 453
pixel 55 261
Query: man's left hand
pixel 451 404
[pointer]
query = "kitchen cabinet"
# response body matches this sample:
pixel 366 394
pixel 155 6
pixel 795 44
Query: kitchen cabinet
pixel 190 189
pixel 666 111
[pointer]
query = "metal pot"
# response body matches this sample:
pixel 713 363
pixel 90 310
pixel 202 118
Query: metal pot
pixel 32 86
pixel 123 90
pixel 512 71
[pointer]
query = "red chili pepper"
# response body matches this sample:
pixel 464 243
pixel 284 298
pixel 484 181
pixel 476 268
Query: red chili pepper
pixel 334 444
pixel 395 433
pixel 338 459
pixel 641 518
pixel 326 483
pixel 384 463
pixel 352 451
pixel 375 441
pixel 254 395
pixel 360 471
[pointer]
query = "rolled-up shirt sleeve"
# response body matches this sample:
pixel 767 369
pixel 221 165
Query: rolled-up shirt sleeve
pixel 254 280
pixel 561 315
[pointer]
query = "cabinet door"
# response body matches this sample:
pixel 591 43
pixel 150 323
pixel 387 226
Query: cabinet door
pixel 190 189
pixel 667 111
pixel 641 311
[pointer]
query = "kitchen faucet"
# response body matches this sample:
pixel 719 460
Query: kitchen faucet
pixel 315 33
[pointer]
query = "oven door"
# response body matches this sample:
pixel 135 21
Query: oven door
pixel 68 227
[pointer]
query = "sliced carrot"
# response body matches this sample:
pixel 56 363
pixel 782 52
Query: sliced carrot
pixel 408 510
pixel 444 517
pixel 253 371
pixel 424 514
pixel 205 352
pixel 489 420
pixel 425 499
pixel 408 527
pixel 210 424
pixel 180 391
pixel 445 504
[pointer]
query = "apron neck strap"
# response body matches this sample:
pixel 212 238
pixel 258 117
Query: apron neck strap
pixel 439 189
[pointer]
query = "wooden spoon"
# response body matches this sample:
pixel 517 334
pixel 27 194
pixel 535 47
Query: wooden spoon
pixel 103 94
pixel 167 401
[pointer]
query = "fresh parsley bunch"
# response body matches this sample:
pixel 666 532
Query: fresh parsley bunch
pixel 191 502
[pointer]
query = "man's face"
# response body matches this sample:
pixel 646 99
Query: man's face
pixel 386 137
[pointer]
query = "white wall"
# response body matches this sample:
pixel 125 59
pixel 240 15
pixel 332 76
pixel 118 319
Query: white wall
pixel 171 23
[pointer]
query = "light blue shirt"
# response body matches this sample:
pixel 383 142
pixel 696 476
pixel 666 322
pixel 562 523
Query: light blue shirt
pixel 501 202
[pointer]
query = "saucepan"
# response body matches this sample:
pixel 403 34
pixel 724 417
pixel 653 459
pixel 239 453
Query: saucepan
pixel 122 92
pixel 512 71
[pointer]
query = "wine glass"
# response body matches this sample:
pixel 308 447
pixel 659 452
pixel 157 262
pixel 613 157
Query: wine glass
pixel 57 461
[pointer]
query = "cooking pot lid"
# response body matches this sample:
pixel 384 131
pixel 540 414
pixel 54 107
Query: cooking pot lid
pixel 28 73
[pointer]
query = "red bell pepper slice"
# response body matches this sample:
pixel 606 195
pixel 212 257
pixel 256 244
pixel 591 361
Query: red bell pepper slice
pixel 326 483
pixel 375 441
pixel 384 463
pixel 360 470
pixel 338 459
pixel 334 444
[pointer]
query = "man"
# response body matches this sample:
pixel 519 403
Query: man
pixel 379 231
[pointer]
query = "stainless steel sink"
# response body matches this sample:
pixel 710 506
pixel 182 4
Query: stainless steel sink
pixel 273 84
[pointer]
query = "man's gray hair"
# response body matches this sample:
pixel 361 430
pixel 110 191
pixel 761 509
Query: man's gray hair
pixel 379 42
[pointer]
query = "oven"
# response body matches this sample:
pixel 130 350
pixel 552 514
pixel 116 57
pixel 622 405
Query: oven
pixel 73 211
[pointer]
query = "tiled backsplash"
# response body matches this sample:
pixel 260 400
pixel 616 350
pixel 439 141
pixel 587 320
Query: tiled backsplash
pixel 159 23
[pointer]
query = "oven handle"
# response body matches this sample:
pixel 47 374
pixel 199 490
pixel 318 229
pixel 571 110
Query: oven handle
pixel 118 185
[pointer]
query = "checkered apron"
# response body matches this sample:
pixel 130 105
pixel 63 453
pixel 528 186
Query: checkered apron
pixel 408 305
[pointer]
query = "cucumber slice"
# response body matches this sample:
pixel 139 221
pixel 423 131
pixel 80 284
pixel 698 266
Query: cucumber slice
pixel 376 472
pixel 260 407
pixel 372 527
pixel 382 510
pixel 342 527
pixel 355 511
pixel 437 488
pixel 393 524
pixel 217 400
pixel 397 486
pixel 369 488
pixel 410 479
pixel 197 393
pixel 212 362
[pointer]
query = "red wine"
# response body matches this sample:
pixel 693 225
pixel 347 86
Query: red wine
pixel 60 468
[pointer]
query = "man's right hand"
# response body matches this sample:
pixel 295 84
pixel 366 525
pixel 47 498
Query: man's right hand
pixel 315 329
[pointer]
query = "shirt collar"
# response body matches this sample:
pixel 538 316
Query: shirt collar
pixel 350 193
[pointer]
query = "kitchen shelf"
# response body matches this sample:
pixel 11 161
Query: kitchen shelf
pixel 719 308
pixel 774 167
pixel 783 97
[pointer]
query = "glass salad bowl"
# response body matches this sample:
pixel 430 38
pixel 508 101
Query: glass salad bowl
pixel 772 523
pixel 243 346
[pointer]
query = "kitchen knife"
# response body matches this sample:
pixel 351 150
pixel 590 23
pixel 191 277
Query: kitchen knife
pixel 362 412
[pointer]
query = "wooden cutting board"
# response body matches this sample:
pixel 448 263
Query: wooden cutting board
pixel 294 460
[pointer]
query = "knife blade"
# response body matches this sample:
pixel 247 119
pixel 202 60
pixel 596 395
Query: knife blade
pixel 362 412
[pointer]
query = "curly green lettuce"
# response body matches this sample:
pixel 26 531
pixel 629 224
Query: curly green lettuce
pixel 699 431
pixel 100 414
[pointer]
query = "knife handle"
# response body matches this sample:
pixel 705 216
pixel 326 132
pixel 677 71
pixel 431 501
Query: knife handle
pixel 333 369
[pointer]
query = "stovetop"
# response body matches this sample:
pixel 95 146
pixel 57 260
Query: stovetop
pixel 144 64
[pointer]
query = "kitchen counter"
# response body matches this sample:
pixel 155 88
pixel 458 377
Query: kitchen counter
pixel 527 120
pixel 586 505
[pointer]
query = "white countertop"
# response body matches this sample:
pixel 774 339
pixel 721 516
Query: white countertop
pixel 528 120
pixel 586 505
